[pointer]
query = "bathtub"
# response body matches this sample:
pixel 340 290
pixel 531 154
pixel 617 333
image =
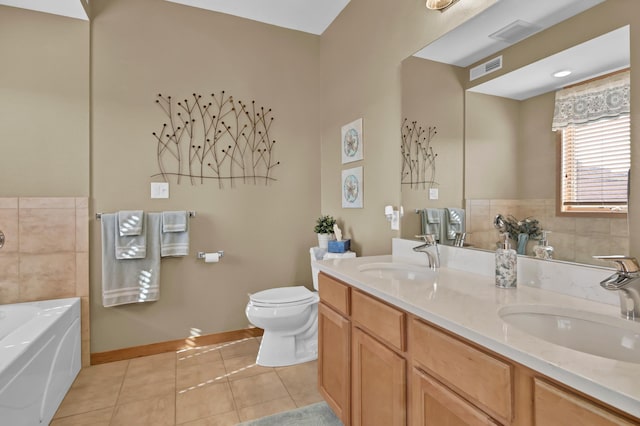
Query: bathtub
pixel 39 358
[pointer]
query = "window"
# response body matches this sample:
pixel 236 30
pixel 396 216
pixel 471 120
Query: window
pixel 595 165
pixel 593 121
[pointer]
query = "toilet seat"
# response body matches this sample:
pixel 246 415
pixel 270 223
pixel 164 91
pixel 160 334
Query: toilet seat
pixel 283 296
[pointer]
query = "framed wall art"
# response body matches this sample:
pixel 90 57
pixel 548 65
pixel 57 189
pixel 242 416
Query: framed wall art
pixel 352 142
pixel 352 188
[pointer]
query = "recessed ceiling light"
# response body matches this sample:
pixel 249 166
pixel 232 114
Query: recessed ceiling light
pixel 438 4
pixel 562 73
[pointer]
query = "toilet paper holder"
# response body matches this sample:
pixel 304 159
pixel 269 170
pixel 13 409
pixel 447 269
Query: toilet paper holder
pixel 202 254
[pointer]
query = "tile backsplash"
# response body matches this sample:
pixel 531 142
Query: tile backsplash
pixel 46 253
pixel 573 239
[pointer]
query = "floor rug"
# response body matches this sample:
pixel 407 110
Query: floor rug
pixel 318 414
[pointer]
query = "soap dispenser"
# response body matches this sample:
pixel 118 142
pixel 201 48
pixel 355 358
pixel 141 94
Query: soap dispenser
pixel 506 264
pixel 543 250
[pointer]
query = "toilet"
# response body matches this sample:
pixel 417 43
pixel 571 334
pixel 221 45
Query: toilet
pixel 289 318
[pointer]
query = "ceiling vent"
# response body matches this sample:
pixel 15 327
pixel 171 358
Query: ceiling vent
pixel 515 31
pixel 488 67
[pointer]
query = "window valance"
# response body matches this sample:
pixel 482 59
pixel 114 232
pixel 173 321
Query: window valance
pixel 605 98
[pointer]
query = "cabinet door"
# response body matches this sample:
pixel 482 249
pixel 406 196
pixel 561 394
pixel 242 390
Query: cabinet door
pixel 433 404
pixel 558 407
pixel 334 359
pixel 379 383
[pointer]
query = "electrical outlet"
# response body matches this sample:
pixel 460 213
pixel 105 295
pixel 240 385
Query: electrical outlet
pixel 433 193
pixel 159 190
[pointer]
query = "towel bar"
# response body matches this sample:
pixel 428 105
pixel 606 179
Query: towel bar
pixel 191 214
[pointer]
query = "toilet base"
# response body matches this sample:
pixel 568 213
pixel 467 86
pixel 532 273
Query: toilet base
pixel 280 351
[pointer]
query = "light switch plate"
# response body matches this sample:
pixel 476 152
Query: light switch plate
pixel 159 190
pixel 433 193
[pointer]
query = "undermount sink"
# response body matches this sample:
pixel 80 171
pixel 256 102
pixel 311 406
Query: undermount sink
pixel 397 271
pixel 596 334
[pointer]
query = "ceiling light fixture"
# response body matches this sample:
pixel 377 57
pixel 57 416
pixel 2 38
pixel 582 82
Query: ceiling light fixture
pixel 562 73
pixel 439 4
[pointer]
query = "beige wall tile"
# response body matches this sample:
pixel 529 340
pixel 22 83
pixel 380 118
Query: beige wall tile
pixel 82 230
pixel 82 274
pixel 82 203
pixel 593 226
pixel 47 276
pixel 9 278
pixel 9 226
pixel 8 203
pixel 47 203
pixel 47 230
pixel 619 228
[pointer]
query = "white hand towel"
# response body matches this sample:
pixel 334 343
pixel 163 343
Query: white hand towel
pixel 130 222
pixel 131 246
pixel 131 280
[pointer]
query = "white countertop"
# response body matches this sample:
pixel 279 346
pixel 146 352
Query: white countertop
pixel 467 304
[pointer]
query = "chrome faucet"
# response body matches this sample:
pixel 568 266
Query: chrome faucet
pixel 430 248
pixel 626 281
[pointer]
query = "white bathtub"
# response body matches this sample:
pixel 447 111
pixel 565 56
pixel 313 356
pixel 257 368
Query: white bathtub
pixel 39 358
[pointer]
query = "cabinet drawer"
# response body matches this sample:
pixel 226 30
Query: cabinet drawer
pixel 382 320
pixel 434 404
pixel 334 293
pixel 482 379
pixel 554 406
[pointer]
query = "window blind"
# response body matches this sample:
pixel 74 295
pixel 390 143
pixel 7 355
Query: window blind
pixel 595 164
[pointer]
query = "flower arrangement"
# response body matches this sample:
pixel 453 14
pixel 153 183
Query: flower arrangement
pixel 324 225
pixel 529 226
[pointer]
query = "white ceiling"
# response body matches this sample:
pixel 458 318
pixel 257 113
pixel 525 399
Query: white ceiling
pixel 310 16
pixel 471 41
pixel 69 8
pixel 601 55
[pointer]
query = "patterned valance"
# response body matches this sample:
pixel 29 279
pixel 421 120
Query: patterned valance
pixel 604 98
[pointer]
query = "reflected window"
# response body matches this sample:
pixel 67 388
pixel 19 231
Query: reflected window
pixel 593 123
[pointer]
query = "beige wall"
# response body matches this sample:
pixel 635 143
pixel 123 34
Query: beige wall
pixel 46 253
pixel 360 69
pixel 432 95
pixel 44 100
pixel 147 47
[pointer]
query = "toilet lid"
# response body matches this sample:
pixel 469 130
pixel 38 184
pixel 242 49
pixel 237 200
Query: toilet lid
pixel 282 295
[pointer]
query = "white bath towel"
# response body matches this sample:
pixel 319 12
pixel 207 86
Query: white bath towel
pixel 130 222
pixel 174 240
pixel 130 245
pixel 130 280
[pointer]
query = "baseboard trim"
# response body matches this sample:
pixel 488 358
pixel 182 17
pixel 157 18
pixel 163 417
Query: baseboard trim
pixel 173 345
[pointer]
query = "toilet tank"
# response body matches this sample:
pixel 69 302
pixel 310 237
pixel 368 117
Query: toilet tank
pixel 318 253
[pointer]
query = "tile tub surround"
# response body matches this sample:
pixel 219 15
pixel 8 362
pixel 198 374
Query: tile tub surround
pixel 467 304
pixel 46 255
pixel 209 385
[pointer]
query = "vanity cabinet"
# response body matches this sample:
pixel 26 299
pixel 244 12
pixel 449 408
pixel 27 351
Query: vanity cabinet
pixel 334 347
pixel 379 365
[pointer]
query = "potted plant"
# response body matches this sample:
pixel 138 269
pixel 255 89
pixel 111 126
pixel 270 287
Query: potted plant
pixel 324 229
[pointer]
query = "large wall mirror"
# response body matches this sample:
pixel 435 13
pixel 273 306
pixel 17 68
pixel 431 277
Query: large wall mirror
pixel 495 151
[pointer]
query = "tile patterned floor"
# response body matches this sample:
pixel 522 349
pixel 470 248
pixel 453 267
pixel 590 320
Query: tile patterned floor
pixel 206 386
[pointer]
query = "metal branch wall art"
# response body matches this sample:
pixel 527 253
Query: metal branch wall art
pixel 220 139
pixel 418 158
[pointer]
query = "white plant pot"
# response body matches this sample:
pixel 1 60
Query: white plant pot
pixel 323 240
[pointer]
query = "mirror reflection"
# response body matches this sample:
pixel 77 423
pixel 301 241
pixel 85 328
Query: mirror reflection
pixel 497 153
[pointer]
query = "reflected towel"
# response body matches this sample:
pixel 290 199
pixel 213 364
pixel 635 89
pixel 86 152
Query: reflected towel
pixel 130 246
pixel 174 242
pixel 130 280
pixel 130 222
pixel 175 221
pixel 431 222
pixel 454 222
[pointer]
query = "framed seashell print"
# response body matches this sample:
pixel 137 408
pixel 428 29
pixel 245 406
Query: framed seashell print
pixel 352 188
pixel 352 142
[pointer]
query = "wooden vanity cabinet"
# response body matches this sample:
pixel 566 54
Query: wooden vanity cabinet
pixel 378 365
pixel 334 347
